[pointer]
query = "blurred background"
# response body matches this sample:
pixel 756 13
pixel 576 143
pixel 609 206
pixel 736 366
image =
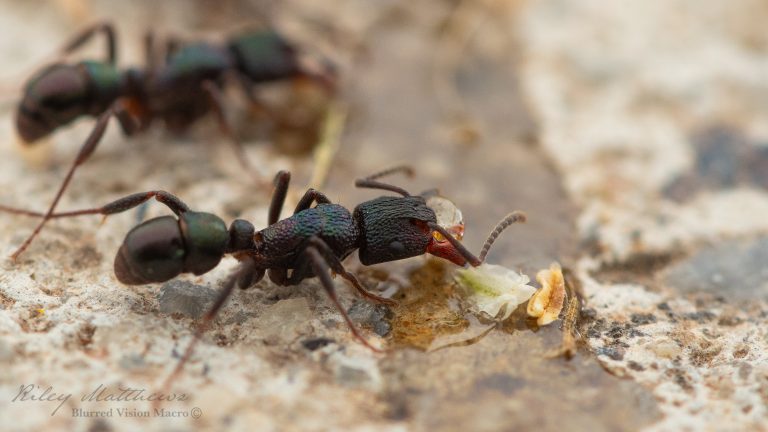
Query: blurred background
pixel 633 136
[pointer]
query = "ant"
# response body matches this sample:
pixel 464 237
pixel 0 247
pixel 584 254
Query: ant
pixel 179 91
pixel 312 242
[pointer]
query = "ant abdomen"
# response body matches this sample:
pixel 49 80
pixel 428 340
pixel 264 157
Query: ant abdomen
pixel 162 248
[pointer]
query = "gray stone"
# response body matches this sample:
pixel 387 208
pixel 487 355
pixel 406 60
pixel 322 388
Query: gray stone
pixel 178 296
pixel 371 314
pixel 734 269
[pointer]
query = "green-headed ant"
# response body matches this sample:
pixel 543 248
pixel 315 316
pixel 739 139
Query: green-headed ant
pixel 186 86
pixel 312 242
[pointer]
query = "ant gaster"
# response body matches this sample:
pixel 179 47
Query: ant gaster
pixel 311 242
pixel 186 86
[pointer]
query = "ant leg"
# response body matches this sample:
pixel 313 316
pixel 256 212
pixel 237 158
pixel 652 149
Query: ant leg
pixel 85 152
pixel 172 46
pixel 216 101
pixel 118 206
pixel 282 180
pixel 259 106
pixel 246 275
pixel 151 53
pixel 371 182
pixel 319 71
pixel 321 270
pixel 310 196
pixel 338 267
pixel 150 59
pixel 84 36
pixel 280 276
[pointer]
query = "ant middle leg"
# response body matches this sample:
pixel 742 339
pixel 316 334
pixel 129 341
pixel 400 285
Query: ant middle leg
pixel 311 196
pixel 281 182
pixel 336 265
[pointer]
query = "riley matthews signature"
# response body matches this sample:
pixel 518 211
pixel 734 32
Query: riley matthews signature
pixel 36 393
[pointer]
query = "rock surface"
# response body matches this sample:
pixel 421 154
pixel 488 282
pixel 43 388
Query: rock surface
pixel 633 138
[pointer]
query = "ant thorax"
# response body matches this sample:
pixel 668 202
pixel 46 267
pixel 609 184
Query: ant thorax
pixel 448 216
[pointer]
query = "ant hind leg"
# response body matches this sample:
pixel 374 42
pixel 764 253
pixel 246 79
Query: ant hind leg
pixel 246 275
pixel 85 35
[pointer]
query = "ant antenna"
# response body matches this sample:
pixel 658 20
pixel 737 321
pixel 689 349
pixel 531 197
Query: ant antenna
pixel 508 220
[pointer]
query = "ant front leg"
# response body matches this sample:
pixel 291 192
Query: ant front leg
pixel 338 267
pixel 279 275
pixel 217 104
pixel 85 35
pixel 321 270
pixel 281 182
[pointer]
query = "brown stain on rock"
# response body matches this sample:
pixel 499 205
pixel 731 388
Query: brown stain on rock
pixel 425 312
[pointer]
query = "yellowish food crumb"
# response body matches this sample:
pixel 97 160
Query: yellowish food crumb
pixel 547 302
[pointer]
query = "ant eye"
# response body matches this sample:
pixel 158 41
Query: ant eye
pixel 438 237
pixel 397 247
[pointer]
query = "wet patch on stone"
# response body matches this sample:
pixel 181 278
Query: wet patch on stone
pixel 425 312
pixel 374 316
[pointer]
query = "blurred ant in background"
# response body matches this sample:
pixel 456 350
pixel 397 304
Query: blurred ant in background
pixel 180 90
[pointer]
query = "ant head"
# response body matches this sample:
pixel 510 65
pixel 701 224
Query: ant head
pixel 162 248
pixel 53 97
pixel 394 228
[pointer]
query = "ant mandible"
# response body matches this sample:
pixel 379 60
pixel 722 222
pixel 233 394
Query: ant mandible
pixel 186 86
pixel 311 242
